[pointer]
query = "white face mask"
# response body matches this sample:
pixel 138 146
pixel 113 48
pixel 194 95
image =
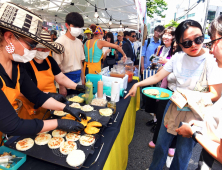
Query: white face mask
pixel 41 55
pixel 75 32
pixel 28 56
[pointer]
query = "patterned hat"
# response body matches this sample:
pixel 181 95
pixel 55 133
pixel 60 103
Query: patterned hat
pixel 45 36
pixel 22 21
pixel 98 30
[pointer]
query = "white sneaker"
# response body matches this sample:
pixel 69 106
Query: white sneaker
pixel 152 114
pixel 169 161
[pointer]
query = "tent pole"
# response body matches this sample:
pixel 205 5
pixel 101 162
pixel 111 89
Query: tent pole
pixel 142 28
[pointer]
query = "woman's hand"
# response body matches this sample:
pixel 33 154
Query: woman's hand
pixel 58 97
pixel 162 60
pixel 124 58
pixel 185 130
pixel 132 91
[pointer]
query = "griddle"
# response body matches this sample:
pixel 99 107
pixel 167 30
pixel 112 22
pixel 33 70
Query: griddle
pixel 53 155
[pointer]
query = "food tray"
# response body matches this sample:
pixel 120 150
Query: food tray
pixel 51 155
pixel 13 152
pixel 158 96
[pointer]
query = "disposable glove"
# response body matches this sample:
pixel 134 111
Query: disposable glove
pixel 69 125
pixel 77 113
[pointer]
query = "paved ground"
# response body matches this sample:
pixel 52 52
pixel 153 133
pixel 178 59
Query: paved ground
pixel 140 155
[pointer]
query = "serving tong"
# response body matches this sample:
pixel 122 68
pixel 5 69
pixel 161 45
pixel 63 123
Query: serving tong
pixel 9 159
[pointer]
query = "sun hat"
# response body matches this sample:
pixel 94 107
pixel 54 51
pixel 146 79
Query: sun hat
pixel 120 33
pixel 87 31
pixel 46 37
pixel 22 21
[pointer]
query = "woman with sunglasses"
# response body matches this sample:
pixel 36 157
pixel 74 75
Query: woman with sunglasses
pixel 211 155
pixel 16 47
pixel 187 67
pixel 94 53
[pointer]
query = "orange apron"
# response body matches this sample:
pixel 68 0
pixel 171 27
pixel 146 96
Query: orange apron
pixel 92 67
pixel 45 82
pixel 11 93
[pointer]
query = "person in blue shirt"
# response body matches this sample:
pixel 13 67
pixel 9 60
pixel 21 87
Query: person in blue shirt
pixel 119 42
pixel 148 49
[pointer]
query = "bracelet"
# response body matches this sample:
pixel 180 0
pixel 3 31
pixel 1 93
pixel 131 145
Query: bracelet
pixel 194 135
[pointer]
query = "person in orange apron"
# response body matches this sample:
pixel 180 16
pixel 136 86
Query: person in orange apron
pixel 93 49
pixel 43 71
pixel 16 45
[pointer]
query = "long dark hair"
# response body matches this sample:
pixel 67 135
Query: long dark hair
pixel 183 26
pixel 110 35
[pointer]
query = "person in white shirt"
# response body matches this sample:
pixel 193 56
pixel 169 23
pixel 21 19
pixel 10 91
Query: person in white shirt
pixel 211 140
pixel 70 62
pixel 187 67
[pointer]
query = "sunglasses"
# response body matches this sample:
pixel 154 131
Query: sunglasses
pixel 133 36
pixel 210 44
pixel 189 43
pixel 31 45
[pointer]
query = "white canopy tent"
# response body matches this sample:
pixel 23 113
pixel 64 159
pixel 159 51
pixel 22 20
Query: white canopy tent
pixel 120 11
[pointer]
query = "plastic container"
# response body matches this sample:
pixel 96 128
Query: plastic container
pixel 129 69
pixel 117 75
pixel 107 81
pixel 13 152
pixel 99 102
pixel 112 105
pixel 118 71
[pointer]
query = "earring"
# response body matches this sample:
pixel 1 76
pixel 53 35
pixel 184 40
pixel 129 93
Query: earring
pixel 10 48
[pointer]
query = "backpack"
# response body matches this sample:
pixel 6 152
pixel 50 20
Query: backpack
pixel 148 43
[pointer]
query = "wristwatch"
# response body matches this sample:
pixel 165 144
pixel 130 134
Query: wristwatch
pixel 195 134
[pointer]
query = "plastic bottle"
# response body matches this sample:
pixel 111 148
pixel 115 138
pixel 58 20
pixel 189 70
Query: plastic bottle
pixel 89 91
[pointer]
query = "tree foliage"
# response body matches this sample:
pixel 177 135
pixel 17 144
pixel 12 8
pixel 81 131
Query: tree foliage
pixel 172 23
pixel 156 7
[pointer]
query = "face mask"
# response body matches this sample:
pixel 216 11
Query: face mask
pixel 27 56
pixel 75 32
pixel 41 55
pixel 54 39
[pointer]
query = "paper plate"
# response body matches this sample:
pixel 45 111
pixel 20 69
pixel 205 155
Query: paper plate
pixel 158 96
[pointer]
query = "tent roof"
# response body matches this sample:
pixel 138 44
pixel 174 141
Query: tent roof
pixel 56 10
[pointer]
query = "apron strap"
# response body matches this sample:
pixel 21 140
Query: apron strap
pixel 50 66
pixel 17 82
pixel 3 82
pixel 93 49
pixel 18 78
pixel 88 50
pixel 33 66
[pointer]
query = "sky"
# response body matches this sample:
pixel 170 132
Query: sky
pixel 172 4
pixel 172 7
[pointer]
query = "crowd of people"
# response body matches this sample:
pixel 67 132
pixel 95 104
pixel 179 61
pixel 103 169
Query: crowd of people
pixel 29 66
pixel 185 64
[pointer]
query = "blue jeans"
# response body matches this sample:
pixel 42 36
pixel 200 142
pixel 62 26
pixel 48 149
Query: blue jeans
pixel 184 147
